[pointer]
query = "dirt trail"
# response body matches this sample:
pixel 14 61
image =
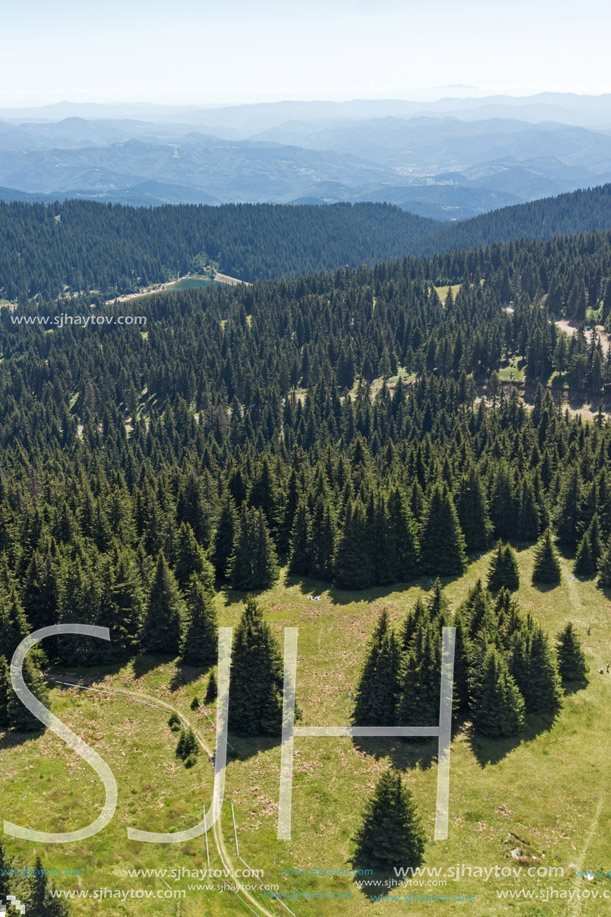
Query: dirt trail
pixel 217 831
pixel 570 328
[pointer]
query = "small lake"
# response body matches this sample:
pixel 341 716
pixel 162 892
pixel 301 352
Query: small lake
pixel 190 283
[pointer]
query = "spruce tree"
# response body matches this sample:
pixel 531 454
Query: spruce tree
pixel 257 677
pixel 211 690
pixel 19 716
pixel 40 592
pixel 403 548
pixel 191 561
pixel 504 506
pixel 473 512
pixel 503 571
pixel 542 690
pixel 123 604
pixel 379 685
pixel 322 544
pixel 498 706
pixel 39 900
pixel 5 872
pixel 253 564
pixel 604 567
pixel 391 833
pixel 13 623
pixel 224 537
pixel 442 541
pixel 528 518
pixel 418 704
pixel 463 660
pixel 584 562
pixel 596 540
pixel 5 693
pixel 199 636
pixel 354 563
pixel 547 566
pixel 567 514
pixel 165 612
pixel 299 556
pixel 572 663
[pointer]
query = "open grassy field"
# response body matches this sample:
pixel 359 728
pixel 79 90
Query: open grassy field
pixel 551 789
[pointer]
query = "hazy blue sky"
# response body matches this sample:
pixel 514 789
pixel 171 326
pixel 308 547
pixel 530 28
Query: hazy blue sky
pixel 200 51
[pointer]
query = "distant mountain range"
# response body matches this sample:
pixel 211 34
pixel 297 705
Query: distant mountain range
pixel 450 159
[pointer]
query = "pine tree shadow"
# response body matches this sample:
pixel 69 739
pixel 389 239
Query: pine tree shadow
pixel 490 751
pixel 145 663
pixel 235 596
pixel 14 738
pixel 337 596
pixel 242 748
pixel 186 674
pixel 378 882
pixel 572 687
pixel 82 675
pixel 606 591
pixel 545 587
pixel 405 754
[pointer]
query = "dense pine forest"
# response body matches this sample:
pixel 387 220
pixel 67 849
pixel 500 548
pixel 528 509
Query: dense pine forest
pixel 349 425
pixel 82 246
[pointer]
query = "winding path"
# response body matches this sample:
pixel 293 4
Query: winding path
pixel 217 832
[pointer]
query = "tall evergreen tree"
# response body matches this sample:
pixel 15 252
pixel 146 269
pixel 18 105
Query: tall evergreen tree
pixel 604 567
pixel 390 833
pixel 19 716
pixel 123 603
pixel 39 899
pixel 257 677
pixel 542 690
pixel 503 572
pixel 584 562
pixel 199 637
pixel 5 692
pixel 354 564
pixel 419 701
pixel 498 706
pixel 442 541
pixel 380 682
pixel 300 541
pixel 253 564
pixel 572 663
pixel 547 566
pixel 567 515
pixel 191 561
pixel 165 612
pixel 224 537
pixel 473 512
pixel 403 556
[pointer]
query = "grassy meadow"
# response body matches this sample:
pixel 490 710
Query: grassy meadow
pixel 549 789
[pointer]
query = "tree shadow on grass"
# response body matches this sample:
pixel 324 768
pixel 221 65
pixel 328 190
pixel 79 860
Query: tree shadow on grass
pixel 491 751
pixel 572 687
pixel 146 663
pixel 330 592
pixel 543 588
pixel 405 754
pixel 377 883
pixel 186 674
pixel 246 747
pixel 14 738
